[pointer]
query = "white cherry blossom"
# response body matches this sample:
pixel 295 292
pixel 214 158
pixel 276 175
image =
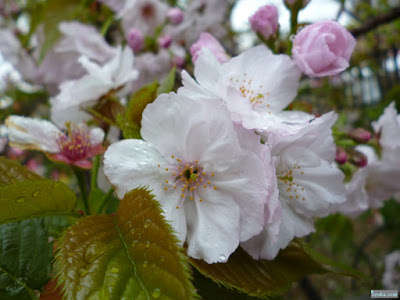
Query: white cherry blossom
pixel 69 105
pixel 256 85
pixel 212 189
pixel 309 184
pixel 75 148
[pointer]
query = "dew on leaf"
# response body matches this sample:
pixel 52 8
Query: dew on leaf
pixel 156 293
pixel 147 223
pixel 20 199
pixel 82 272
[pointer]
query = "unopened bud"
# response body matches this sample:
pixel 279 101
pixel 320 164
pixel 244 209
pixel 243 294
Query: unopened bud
pixel 206 40
pixel 358 159
pixel 165 41
pixel 360 135
pixel 265 21
pixel 341 155
pixel 135 39
pixel 178 61
pixel 175 16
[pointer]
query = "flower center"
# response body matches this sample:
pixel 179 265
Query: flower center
pixel 256 98
pixel 76 145
pixel 189 177
pixel 288 186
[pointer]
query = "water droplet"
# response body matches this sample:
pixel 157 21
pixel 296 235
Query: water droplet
pixel 147 223
pixel 82 272
pixel 222 258
pixel 35 193
pixel 145 264
pixel 147 244
pixel 114 270
pixel 134 243
pixel 20 199
pixel 156 293
pixel 292 37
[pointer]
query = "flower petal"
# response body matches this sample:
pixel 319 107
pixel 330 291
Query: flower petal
pixel 213 227
pixel 132 163
pixel 191 130
pixel 33 134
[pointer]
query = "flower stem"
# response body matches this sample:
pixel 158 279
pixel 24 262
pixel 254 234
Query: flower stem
pixel 95 171
pixel 104 200
pixel 80 176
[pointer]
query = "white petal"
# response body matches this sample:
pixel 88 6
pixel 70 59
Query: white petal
pixel 389 127
pixel 34 134
pixel 307 183
pixel 208 71
pixel 245 182
pixel 213 227
pixel 191 130
pixel 315 135
pixel 292 225
pixel 258 70
pixel 96 136
pixel 132 163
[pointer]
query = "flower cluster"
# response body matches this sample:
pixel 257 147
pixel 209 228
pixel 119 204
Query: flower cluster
pixel 229 166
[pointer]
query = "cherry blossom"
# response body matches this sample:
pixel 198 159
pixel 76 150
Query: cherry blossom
pixel 256 85
pixel 309 184
pixel 212 189
pixel 69 105
pixel 75 148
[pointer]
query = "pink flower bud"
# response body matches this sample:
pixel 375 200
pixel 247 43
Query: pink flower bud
pixel 178 61
pixel 360 135
pixel 165 41
pixel 135 39
pixel 265 21
pixel 341 155
pixel 359 159
pixel 206 40
pixel 323 49
pixel 175 16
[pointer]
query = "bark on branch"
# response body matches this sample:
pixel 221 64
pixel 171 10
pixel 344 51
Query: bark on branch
pixel 376 21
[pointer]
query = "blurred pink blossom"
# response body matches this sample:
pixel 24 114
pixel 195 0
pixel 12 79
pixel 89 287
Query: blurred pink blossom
pixel 206 40
pixel 265 21
pixel 135 39
pixel 341 155
pixel 165 41
pixel 175 16
pixel 323 49
pixel 360 135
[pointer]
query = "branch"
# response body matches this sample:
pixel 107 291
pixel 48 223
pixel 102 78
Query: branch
pixel 373 23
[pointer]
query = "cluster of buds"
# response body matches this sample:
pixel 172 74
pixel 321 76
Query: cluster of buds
pixel 349 154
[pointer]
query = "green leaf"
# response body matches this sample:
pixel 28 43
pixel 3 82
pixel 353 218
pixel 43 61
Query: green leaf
pixel 11 172
pixel 167 85
pixel 25 259
pixel 139 101
pixel 24 194
pixel 263 278
pixel 209 290
pixel 130 124
pixel 131 255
